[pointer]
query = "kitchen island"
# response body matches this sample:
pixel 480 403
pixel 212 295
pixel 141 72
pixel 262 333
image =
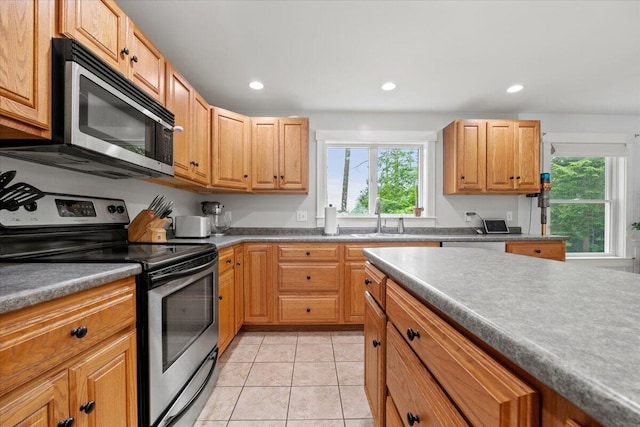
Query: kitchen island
pixel 574 329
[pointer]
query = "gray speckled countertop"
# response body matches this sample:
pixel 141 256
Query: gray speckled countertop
pixel 575 328
pixel 232 239
pixel 23 285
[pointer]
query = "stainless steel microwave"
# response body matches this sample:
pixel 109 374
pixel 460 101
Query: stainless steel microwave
pixel 102 123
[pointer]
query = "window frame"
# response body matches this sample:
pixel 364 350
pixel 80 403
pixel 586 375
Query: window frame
pixel 424 141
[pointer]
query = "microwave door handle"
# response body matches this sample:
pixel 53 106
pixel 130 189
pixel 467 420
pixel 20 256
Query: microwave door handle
pixel 182 273
pixel 172 419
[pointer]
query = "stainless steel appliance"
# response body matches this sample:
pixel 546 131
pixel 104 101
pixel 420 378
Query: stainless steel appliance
pixel 220 221
pixel 192 226
pixel 177 328
pixel 102 123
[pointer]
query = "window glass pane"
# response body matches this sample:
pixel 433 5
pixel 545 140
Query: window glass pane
pixel 578 178
pixel 584 222
pixel 397 179
pixel 348 179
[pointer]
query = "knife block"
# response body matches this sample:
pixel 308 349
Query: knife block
pixel 147 228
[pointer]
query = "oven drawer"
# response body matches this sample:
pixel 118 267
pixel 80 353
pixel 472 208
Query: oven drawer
pixel 309 277
pixel 34 339
pixel 316 309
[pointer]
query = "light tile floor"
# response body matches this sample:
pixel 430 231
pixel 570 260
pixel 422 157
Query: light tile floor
pixel 290 379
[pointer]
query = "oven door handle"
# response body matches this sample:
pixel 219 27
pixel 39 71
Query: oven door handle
pixel 182 273
pixel 172 419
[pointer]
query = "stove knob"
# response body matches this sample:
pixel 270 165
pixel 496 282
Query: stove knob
pixel 31 207
pixel 120 209
pixel 111 208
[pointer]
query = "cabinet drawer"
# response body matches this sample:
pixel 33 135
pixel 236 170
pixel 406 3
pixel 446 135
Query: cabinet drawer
pixel 34 339
pixel 549 250
pixel 308 277
pixel 375 282
pixel 309 252
pixel 484 390
pixel 226 259
pixel 414 391
pixel 317 309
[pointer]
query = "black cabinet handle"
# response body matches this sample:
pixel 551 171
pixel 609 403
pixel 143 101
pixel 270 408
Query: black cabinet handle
pixel 411 334
pixel 220 297
pixel 228 261
pixel 88 407
pixel 281 176
pixel 376 343
pixel 462 177
pixel 308 310
pixel 308 277
pixel 246 176
pixel 125 51
pixel 412 419
pixel 517 177
pixel 367 282
pixel 275 176
pixel 308 253
pixel 79 332
pixel 134 58
pixel 538 251
pixel 238 263
pixel 510 177
pixel 196 164
pixel 69 422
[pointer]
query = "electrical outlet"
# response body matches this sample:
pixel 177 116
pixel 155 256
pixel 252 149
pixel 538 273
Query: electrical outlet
pixel 468 216
pixel 509 216
pixel 301 216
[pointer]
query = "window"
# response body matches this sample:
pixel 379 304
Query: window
pixel 355 168
pixel 588 197
pixel 357 175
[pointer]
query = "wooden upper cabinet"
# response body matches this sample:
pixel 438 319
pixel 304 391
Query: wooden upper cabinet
pixel 104 28
pixel 179 94
pixel 25 68
pixel 201 141
pixel 230 150
pixel 464 156
pixel 280 154
pixel 100 25
pixel 491 157
pixel 146 64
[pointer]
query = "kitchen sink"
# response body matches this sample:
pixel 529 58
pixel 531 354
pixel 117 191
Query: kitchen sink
pixel 378 235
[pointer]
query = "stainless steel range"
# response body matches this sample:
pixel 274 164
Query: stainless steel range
pixel 177 319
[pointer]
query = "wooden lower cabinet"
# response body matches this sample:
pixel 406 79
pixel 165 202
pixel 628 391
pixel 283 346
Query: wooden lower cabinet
pixel 226 306
pixel 238 277
pixel 49 374
pixel 391 414
pixel 258 284
pixel 548 249
pixel 375 348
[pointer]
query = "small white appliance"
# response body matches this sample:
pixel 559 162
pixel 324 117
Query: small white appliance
pixel 192 226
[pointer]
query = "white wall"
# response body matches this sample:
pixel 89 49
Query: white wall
pixel 250 210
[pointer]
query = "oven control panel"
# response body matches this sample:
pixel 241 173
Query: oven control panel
pixel 66 210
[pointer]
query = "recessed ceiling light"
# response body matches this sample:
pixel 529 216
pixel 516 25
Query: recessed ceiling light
pixel 515 88
pixel 389 86
pixel 256 85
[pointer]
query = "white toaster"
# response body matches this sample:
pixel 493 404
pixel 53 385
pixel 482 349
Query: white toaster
pixel 192 226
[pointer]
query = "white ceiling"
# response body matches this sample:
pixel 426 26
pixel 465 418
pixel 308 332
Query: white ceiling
pixel 445 56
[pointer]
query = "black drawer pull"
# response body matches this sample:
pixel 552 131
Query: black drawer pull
pixel 462 177
pixel 412 419
pixel 376 343
pixel 308 253
pixel 367 282
pixel 124 51
pixel 517 177
pixel 88 407
pixel 220 297
pixel 411 334
pixel 308 277
pixel 69 422
pixel 538 251
pixel 228 261
pixel 308 310
pixel 79 332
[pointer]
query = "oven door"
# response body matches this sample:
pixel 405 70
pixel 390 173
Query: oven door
pixel 182 331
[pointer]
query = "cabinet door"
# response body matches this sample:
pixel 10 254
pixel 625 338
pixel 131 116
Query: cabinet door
pixel 374 358
pixel 354 292
pixel 107 378
pixel 146 65
pixel 100 25
pixel 264 153
pixel 258 284
pixel 25 69
pixel 527 156
pixel 239 281
pixel 179 93
pixel 294 154
pixel 500 155
pixel 226 306
pixel 231 150
pixel 471 155
pixel 201 141
pixel 42 403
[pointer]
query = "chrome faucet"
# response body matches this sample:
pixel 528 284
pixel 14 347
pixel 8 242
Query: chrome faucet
pixel 377 212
